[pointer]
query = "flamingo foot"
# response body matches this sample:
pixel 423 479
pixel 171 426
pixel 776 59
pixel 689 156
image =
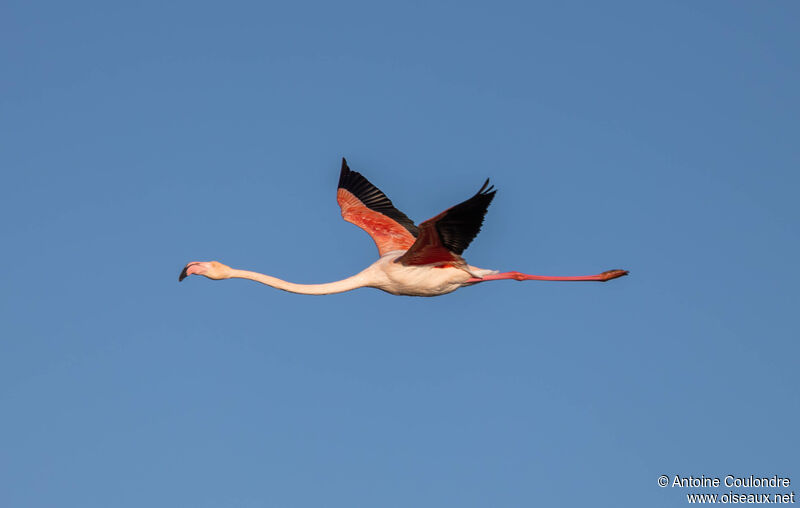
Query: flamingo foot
pixel 612 274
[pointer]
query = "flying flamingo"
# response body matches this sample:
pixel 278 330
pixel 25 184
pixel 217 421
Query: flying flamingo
pixel 422 260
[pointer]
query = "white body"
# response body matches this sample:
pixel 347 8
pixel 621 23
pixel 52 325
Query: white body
pixel 398 279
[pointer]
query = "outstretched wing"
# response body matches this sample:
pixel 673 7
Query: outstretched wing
pixel 367 207
pixel 442 239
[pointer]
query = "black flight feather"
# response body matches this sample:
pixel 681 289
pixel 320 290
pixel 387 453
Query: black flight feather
pixel 462 223
pixel 372 197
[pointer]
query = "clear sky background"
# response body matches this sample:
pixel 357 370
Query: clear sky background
pixel 656 137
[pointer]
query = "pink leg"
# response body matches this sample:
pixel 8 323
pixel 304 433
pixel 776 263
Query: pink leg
pixel 601 277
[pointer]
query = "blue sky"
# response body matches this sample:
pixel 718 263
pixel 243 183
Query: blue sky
pixel 659 138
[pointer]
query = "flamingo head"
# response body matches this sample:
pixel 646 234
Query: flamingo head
pixel 211 269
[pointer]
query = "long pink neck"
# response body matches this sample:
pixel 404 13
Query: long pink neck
pixel 348 284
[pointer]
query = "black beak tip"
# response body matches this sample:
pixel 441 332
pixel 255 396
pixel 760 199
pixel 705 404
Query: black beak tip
pixel 183 274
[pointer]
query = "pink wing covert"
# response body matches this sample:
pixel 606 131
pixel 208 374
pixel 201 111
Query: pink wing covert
pixel 367 207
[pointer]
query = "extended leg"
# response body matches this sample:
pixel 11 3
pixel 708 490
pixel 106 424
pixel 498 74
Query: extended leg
pixel 601 277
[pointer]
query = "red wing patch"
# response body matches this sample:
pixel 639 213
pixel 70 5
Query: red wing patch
pixel 428 249
pixel 387 234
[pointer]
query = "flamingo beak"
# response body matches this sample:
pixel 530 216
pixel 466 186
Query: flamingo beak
pixel 192 268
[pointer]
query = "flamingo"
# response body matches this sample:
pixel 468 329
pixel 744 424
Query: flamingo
pixel 422 260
